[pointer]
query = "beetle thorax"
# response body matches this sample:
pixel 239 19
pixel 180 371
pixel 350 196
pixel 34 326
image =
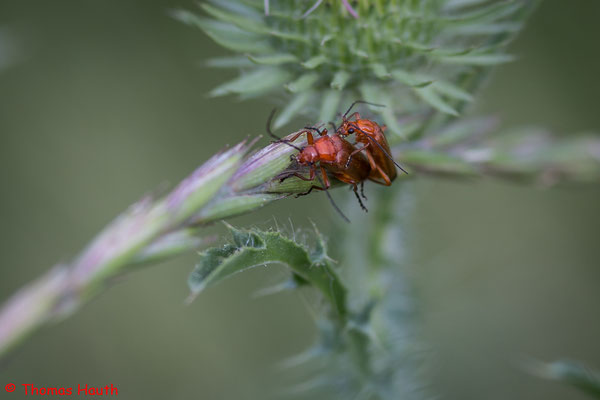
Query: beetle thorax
pixel 308 155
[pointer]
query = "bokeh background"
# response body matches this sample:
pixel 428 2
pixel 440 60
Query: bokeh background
pixel 104 101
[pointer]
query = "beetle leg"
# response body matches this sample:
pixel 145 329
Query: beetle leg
pixel 355 152
pixel 326 183
pixel 311 177
pixel 373 164
pixel 385 176
pixel 296 136
pixel 310 190
pixel 325 177
pixel 362 190
pixel 355 190
pixel 296 174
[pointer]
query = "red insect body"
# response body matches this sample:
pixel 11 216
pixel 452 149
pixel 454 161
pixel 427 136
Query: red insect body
pixel 374 145
pixel 331 154
pixel 343 160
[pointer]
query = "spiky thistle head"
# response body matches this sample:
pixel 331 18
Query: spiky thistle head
pixel 416 56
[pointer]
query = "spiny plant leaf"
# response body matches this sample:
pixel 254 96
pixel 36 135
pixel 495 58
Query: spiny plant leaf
pixel 303 83
pixel 254 248
pixel 292 109
pixel 409 79
pixel 431 97
pixel 340 79
pixel 273 59
pixel 327 54
pixel 473 147
pixel 488 13
pixel 451 90
pixel 330 105
pixel 437 163
pixel 256 82
pixel 475 59
pixel 228 36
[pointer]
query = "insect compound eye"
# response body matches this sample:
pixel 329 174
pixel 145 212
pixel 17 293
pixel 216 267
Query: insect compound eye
pixel 350 131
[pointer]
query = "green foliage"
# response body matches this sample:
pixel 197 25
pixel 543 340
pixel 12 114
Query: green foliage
pixel 472 148
pixel 376 274
pixel 424 60
pixel 415 54
pixel 254 248
pixel 347 355
pixel 230 183
pixel 367 346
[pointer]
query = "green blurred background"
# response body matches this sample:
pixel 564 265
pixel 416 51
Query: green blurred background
pixel 106 101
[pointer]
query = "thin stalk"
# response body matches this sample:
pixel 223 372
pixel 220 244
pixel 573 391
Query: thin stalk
pixel 229 184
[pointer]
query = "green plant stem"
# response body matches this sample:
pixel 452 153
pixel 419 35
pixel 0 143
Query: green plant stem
pixel 229 184
pixel 232 183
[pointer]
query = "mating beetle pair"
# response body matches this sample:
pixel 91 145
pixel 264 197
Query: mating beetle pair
pixel 343 160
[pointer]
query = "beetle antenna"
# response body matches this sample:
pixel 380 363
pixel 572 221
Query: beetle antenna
pixel 278 139
pixel 269 121
pixel 312 128
pixel 289 144
pixel 372 139
pixel 332 201
pixel 361 102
